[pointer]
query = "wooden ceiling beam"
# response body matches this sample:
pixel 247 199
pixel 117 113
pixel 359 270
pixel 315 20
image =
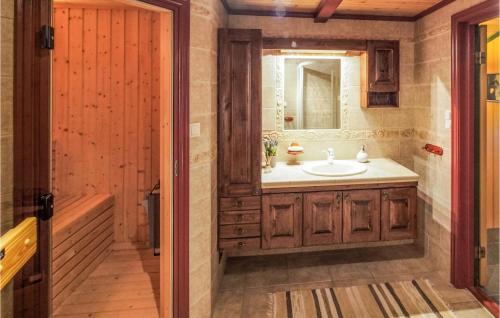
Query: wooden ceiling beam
pixel 325 10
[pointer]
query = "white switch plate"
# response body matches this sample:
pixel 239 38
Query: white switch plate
pixel 194 130
pixel 447 119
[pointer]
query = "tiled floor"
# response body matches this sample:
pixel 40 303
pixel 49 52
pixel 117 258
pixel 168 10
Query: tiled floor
pixel 247 282
pixel 125 285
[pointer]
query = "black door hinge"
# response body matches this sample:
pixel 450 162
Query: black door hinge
pixel 480 58
pixel 46 203
pixel 47 37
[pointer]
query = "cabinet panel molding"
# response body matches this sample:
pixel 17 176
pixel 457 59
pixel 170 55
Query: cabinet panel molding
pixel 239 113
pixel 281 220
pixel 399 213
pixel 361 216
pixel 322 220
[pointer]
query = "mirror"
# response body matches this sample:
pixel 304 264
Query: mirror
pixel 312 93
pixel 308 89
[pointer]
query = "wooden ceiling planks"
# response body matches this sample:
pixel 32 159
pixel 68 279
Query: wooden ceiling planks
pixel 322 10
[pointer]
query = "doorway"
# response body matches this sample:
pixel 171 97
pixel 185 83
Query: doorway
pixel 488 119
pixel 111 66
pixel 473 171
pixel 33 157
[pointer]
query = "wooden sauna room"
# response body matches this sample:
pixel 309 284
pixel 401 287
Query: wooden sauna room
pixel 108 71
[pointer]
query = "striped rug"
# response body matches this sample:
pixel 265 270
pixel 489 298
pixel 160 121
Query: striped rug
pixel 414 298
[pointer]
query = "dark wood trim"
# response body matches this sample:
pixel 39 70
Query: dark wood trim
pixel 263 13
pixel 304 189
pixel 340 16
pixel 314 44
pixel 435 7
pixel 486 301
pixel 180 247
pixel 32 150
pixel 374 17
pixel 311 15
pixel 325 10
pixel 463 140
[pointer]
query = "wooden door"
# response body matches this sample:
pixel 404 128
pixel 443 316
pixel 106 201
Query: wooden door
pixel 399 213
pixel 32 153
pixel 361 216
pixel 322 220
pixel 281 220
pixel 239 128
pixel 383 66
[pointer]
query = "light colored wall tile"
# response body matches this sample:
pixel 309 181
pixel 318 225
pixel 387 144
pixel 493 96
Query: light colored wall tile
pixel 204 267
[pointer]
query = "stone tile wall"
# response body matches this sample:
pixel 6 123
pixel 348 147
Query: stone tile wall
pixel 432 94
pixel 204 267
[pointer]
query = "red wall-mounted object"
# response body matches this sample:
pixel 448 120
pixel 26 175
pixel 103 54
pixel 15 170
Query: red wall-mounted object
pixel 433 149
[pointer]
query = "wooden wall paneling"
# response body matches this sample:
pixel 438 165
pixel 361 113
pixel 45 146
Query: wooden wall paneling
pixel 106 109
pixel 73 148
pixel 89 129
pixel 102 132
pixel 60 97
pixel 131 115
pixel 144 125
pixel 116 126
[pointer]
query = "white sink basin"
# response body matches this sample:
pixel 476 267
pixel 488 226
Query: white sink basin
pixel 338 168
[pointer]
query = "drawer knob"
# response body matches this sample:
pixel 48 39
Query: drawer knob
pixel 241 244
pixel 27 242
pixel 239 203
pixel 239 218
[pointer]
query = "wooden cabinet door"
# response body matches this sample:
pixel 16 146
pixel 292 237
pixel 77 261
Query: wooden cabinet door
pixel 399 213
pixel 383 66
pixel 361 216
pixel 239 116
pixel 281 220
pixel 322 220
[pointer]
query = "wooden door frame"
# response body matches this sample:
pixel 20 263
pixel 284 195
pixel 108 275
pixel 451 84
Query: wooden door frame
pixel 464 145
pixel 33 88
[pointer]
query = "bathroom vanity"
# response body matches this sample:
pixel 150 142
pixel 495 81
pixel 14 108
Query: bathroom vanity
pixel 298 209
pixel 298 206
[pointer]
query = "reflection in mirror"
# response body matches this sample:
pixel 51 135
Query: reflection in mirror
pixel 311 93
pixel 309 89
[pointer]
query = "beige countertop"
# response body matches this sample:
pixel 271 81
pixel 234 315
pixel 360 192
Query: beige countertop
pixel 378 171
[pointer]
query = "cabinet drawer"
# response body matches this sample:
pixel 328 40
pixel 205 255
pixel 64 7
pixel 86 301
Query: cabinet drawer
pixel 240 244
pixel 239 217
pixel 244 230
pixel 240 203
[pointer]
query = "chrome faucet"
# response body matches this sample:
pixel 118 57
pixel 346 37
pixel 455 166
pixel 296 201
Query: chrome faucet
pixel 330 155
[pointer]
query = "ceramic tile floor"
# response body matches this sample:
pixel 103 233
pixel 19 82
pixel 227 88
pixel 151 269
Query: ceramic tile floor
pixel 248 281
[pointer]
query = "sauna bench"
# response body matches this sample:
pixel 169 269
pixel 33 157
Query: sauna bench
pixel 82 234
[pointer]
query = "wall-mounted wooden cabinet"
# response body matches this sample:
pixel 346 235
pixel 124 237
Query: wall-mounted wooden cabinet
pixel 322 220
pixel 399 213
pixel 361 216
pixel 380 74
pixel 311 218
pixel 239 113
pixel 281 220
